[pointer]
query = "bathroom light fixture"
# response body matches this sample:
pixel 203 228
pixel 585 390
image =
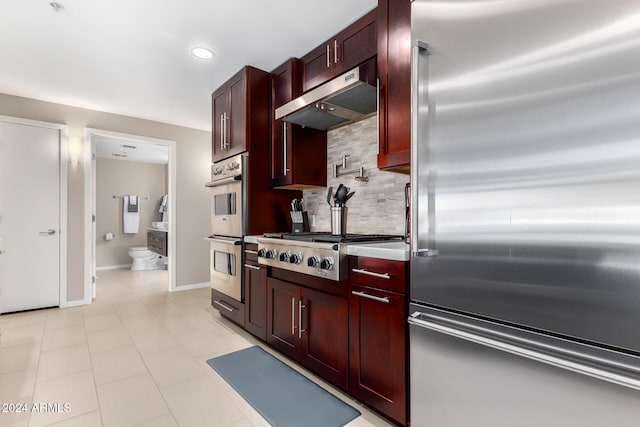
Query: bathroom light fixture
pixel 202 53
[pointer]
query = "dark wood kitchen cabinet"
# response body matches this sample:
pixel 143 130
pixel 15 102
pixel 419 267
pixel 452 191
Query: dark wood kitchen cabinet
pixel 298 155
pixel 255 293
pixel 240 113
pixel 311 327
pixel 378 335
pixel 394 70
pixel 352 46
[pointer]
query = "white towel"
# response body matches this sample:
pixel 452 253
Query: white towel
pixel 130 220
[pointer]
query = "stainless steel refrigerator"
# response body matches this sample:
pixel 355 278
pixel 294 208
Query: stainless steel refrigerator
pixel 525 269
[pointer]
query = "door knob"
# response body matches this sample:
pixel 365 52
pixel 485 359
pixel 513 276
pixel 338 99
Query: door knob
pixel 49 232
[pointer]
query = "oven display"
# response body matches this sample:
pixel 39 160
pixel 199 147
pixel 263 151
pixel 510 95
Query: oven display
pixel 224 204
pixel 224 263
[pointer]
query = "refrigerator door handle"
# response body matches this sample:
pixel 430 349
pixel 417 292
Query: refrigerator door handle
pixel 420 111
pixel 607 370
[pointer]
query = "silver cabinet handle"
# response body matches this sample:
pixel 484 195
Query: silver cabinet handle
pixel 49 232
pixel 251 252
pixel 253 267
pixel 223 305
pixel 221 132
pixel 284 149
pixel 335 52
pixel 371 273
pixel 293 316
pixel 328 56
pixel 222 240
pixel 300 330
pixel 377 117
pixel 226 144
pixel 373 297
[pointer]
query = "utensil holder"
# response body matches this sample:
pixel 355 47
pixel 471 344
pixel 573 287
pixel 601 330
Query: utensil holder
pixel 339 220
pixel 299 222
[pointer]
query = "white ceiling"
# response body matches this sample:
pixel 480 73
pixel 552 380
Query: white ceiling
pixel 133 57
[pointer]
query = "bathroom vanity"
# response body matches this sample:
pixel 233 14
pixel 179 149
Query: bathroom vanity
pixel 157 241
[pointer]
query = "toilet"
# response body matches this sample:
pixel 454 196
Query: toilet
pixel 144 259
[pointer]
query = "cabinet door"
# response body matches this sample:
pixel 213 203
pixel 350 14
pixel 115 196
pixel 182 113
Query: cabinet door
pixel 319 65
pixel 394 66
pixel 377 351
pixel 237 116
pixel 219 102
pixel 282 320
pixel 282 91
pixel 324 321
pixel 357 43
pixel 255 294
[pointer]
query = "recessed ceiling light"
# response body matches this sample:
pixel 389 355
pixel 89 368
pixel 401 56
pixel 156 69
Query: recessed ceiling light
pixel 202 53
pixel 57 7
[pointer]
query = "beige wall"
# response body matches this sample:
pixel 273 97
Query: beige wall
pixel 193 157
pixel 119 178
pixel 377 207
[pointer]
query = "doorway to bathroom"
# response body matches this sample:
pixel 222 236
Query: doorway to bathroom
pixel 132 207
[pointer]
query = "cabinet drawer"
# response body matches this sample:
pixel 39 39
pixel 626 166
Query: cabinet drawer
pixel 228 307
pixel 251 252
pixel 379 273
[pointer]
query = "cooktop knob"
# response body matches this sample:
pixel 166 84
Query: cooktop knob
pixel 284 256
pixel 262 253
pixel 271 254
pixel 326 264
pixel 314 261
pixel 295 258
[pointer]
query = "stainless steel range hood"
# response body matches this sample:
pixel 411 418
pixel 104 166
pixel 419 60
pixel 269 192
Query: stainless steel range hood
pixel 347 98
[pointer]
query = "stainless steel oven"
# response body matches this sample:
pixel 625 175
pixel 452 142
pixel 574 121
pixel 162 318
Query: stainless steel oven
pixel 228 197
pixel 225 267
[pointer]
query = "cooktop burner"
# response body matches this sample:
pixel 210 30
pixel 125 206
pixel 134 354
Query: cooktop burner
pixel 331 238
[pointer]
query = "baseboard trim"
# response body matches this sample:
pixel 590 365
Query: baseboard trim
pixel 113 267
pixel 193 286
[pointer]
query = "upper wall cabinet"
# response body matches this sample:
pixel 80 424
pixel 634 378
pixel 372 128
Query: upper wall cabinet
pixel 240 111
pixel 339 54
pixel 394 69
pixel 298 155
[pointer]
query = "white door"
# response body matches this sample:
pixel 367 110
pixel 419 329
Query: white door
pixel 29 217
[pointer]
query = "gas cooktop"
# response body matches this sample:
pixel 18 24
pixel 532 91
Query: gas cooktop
pixel 319 254
pixel 327 237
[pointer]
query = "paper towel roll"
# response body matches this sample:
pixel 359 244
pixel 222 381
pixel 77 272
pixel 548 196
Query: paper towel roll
pixel 109 236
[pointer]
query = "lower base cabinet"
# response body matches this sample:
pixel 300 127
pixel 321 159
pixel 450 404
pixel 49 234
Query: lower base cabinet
pixel 311 327
pixel 255 297
pixel 377 350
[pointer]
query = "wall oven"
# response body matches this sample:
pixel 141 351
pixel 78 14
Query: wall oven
pixel 228 197
pixel 225 267
pixel 228 207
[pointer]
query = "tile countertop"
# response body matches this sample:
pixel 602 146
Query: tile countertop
pixel 394 251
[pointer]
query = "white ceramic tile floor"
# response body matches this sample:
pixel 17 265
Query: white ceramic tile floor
pixel 135 357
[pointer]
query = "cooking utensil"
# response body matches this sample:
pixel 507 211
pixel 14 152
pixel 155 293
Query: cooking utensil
pixel 329 194
pixel 341 193
pixel 349 196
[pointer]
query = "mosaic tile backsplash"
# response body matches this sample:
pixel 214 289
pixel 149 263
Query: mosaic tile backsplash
pixel 378 205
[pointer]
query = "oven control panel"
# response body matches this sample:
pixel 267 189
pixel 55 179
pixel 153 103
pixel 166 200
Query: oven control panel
pixel 324 260
pixel 227 168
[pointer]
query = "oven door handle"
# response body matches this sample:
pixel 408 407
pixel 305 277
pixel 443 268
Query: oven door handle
pixel 234 242
pixel 224 181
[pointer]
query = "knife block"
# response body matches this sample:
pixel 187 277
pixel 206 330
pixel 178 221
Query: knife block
pixel 299 222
